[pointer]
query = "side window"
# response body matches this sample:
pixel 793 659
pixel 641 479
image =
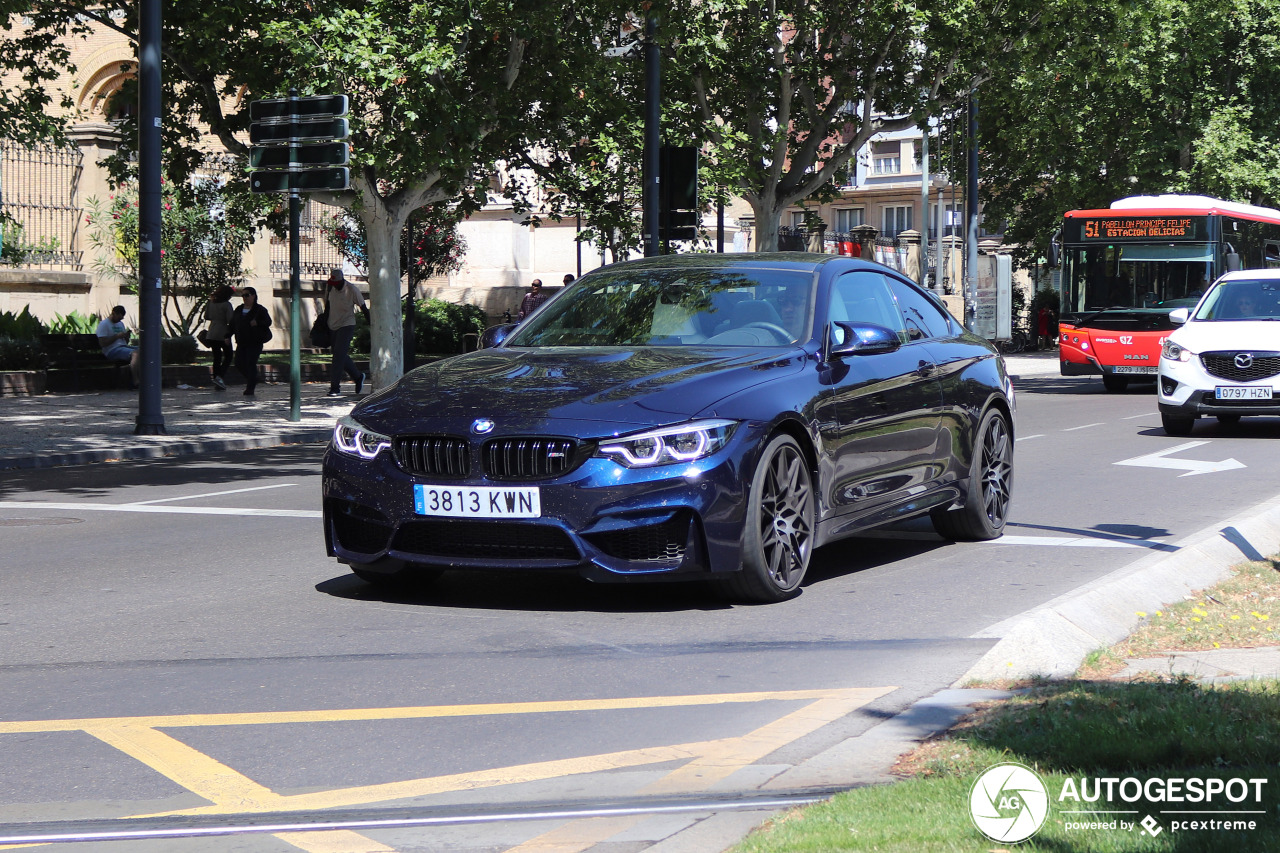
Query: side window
pixel 864 297
pixel 922 317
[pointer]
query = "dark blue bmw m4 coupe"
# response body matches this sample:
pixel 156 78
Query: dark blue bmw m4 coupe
pixel 709 417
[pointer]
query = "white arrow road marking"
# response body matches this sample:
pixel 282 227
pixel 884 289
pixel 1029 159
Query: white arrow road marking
pixel 1191 466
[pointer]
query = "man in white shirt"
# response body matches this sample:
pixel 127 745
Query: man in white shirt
pixel 113 337
pixel 344 299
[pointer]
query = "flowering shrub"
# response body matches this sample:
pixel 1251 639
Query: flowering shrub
pixel 436 248
pixel 203 235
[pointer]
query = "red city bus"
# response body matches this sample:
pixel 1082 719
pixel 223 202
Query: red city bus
pixel 1125 267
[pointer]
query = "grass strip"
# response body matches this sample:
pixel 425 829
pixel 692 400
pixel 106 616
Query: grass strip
pixel 1160 728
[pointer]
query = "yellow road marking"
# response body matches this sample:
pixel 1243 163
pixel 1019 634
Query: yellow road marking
pixel 344 715
pixel 190 768
pixel 718 760
pixel 230 792
pixel 334 841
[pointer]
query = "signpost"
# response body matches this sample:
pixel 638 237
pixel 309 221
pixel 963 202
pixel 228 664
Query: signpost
pixel 298 146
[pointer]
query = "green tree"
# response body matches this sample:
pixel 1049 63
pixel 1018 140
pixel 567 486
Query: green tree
pixel 787 91
pixel 1121 99
pixel 439 91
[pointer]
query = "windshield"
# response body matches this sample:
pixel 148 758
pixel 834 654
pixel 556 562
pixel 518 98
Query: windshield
pixel 1135 276
pixel 1242 299
pixel 675 307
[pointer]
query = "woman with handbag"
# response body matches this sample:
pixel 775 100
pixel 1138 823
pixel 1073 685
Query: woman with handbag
pixel 218 336
pixel 251 326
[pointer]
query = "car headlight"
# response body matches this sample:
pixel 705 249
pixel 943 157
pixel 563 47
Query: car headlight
pixel 682 443
pixel 1173 352
pixel 353 439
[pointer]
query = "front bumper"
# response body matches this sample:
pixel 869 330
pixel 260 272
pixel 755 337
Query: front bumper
pixel 1185 389
pixel 602 520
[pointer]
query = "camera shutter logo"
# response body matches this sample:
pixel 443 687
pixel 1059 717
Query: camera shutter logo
pixel 1009 803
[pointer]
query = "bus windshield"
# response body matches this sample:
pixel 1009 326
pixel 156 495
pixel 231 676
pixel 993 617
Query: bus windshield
pixel 1135 276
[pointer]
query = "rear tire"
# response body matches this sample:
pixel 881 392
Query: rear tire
pixel 1174 425
pixel 1115 384
pixel 986 506
pixel 777 541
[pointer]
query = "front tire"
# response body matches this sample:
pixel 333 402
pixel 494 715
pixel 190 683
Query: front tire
pixel 778 539
pixel 1115 384
pixel 1177 426
pixel 986 506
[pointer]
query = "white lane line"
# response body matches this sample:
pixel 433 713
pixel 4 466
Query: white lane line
pixel 1028 437
pixel 176 510
pixel 1074 542
pixel 211 494
pixel 1086 426
pixel 1041 541
pixel 1133 417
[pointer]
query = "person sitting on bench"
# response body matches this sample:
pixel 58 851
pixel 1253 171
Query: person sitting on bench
pixel 113 337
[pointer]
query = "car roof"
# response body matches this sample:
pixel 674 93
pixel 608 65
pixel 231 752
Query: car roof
pixel 1249 275
pixel 800 261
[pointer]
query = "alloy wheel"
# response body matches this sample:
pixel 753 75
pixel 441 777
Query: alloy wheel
pixel 997 470
pixel 786 510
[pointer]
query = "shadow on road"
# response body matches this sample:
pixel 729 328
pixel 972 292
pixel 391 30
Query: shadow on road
pixel 566 592
pixel 1080 385
pixel 97 481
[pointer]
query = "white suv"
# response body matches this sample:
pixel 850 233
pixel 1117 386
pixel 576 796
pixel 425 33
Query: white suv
pixel 1225 358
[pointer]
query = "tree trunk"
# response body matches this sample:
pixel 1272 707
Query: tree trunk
pixel 386 355
pixel 768 220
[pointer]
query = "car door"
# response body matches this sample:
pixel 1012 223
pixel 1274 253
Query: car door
pixel 884 446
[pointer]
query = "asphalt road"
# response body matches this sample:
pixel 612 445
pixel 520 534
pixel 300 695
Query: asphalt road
pixel 176 641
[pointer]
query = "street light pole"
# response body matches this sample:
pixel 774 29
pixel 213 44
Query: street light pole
pixel 150 419
pixel 652 136
pixel 971 216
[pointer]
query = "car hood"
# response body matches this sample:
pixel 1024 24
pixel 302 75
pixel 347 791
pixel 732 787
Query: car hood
pixel 571 390
pixel 1229 335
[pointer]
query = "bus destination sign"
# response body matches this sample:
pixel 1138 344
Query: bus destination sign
pixel 1142 228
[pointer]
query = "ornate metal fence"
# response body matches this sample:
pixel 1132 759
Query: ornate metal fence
pixel 38 195
pixel 891 252
pixel 317 255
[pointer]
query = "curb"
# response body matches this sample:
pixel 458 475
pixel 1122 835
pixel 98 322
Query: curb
pixel 159 451
pixel 1053 640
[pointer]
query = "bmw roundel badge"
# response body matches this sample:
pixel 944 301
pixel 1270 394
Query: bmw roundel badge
pixel 482 426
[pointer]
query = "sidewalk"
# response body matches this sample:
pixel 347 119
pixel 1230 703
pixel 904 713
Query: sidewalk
pixel 97 426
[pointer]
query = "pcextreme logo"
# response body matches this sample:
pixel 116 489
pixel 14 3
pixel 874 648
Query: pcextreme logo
pixel 1009 803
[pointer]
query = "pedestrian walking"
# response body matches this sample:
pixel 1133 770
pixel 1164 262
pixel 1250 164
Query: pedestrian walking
pixel 344 299
pixel 532 300
pixel 251 327
pixel 219 312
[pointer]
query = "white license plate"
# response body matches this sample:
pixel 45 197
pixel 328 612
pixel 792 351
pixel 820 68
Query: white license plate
pixel 477 501
pixel 1134 368
pixel 1241 392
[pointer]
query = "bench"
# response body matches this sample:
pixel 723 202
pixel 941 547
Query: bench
pixel 80 352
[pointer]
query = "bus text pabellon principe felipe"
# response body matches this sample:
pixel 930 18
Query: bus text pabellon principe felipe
pixel 1124 268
